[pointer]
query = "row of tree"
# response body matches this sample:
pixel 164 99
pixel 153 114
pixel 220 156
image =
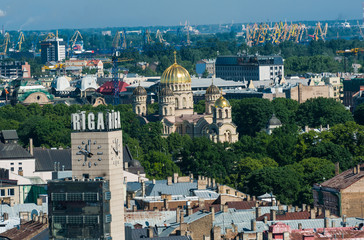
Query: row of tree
pixel 287 162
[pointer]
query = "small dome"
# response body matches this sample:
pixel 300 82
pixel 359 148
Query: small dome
pixel 274 120
pixel 139 91
pixel 222 102
pixel 166 91
pixel 61 83
pixel 212 90
pixel 134 163
pixel 88 82
pixel 175 74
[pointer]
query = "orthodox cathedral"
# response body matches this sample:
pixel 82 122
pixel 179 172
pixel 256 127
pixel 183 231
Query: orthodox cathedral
pixel 176 108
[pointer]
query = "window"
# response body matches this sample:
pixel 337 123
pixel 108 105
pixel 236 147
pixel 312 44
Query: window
pixel 20 163
pixel 12 169
pixel 11 192
pixel 2 192
pixel 20 169
pixel 12 163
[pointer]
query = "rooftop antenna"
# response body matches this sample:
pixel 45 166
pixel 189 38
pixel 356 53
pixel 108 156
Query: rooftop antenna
pixel 175 57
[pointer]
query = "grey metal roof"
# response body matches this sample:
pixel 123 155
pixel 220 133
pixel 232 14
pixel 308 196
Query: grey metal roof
pixel 233 216
pixel 13 151
pixel 13 211
pixel 206 194
pixel 195 216
pixel 9 135
pixel 45 159
pixel 161 187
pixel 219 82
pixel 267 195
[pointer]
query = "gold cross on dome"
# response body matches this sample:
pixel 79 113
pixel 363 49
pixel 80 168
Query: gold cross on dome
pixel 175 56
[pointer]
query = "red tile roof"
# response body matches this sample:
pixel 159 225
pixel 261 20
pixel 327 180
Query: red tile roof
pixel 345 179
pixel 328 233
pixel 241 204
pixel 26 231
pixel 108 87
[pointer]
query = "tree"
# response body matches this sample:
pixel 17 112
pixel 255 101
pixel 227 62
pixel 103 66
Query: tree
pixel 159 165
pixel 251 114
pixel 282 182
pixel 359 114
pixel 322 111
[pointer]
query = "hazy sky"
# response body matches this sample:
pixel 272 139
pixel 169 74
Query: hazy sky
pixel 51 14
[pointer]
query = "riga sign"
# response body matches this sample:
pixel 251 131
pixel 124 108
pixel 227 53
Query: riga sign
pixel 88 122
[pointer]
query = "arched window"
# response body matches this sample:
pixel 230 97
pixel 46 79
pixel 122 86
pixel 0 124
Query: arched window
pixel 138 110
pixel 165 111
pixel 170 111
pixel 220 113
pixel 177 105
pixel 227 113
pixel 184 102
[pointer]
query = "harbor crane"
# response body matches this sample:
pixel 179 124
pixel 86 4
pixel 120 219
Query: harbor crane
pixel 5 44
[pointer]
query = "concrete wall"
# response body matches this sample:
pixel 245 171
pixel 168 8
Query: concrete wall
pixel 27 165
pixel 302 93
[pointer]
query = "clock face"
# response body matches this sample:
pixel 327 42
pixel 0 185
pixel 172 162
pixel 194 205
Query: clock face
pixel 90 153
pixel 116 152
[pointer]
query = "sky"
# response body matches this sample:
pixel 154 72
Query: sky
pixel 78 14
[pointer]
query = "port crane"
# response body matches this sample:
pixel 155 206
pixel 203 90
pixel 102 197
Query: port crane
pixel 5 44
pixel 21 39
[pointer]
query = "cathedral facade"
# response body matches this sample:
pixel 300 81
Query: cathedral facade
pixel 176 108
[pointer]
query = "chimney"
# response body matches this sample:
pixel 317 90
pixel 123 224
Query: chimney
pixel 213 183
pixel 286 236
pixel 344 220
pixel 6 216
pixel 169 180
pixel 181 215
pixel 337 168
pixel 265 219
pixel 253 225
pixel 256 204
pixel 178 213
pixel 191 177
pixel 258 212
pixel 31 149
pixel 270 236
pixel 143 188
pixel 327 213
pixel 308 208
pixel 135 208
pixel 319 211
pixel 296 208
pixel 139 179
pixel 189 211
pixel 278 203
pixel 150 232
pixel 327 222
pixel 303 207
pixel 20 172
pixel 212 210
pixel 126 165
pixel 175 177
pixel 225 208
pixel 253 198
pixel 358 168
pixel 300 226
pixel 165 203
pixel 201 203
pixel 312 214
pixel 153 181
pixel 248 197
pixel 273 215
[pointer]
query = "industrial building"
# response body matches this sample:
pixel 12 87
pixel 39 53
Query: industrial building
pixel 53 49
pixel 14 69
pixel 249 67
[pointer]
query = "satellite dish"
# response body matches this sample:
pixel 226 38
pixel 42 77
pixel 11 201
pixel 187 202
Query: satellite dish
pixel 147 223
pixel 34 213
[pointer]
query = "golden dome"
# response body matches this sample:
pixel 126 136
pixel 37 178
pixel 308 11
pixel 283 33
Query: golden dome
pixel 175 74
pixel 222 102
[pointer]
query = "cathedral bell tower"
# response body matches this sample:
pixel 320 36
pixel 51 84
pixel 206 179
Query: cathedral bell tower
pixel 140 101
pixel 212 94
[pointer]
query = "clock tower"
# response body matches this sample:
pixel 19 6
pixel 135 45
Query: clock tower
pixel 97 152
